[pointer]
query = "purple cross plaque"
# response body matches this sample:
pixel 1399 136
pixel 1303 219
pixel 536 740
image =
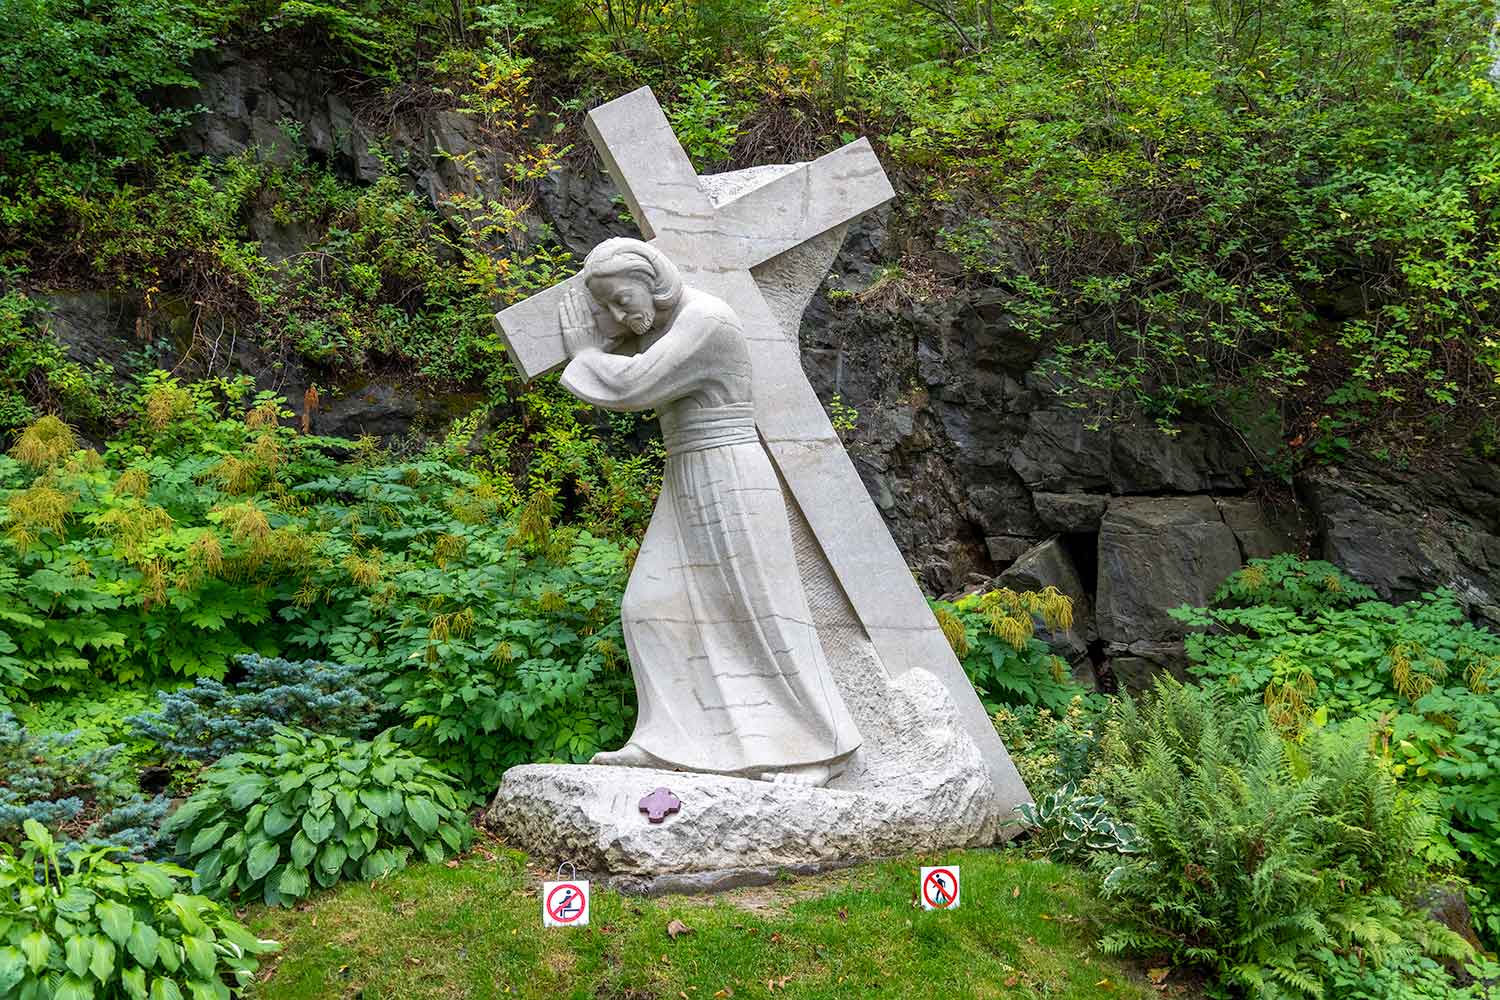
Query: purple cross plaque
pixel 659 804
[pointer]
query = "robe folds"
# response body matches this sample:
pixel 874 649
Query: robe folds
pixel 729 672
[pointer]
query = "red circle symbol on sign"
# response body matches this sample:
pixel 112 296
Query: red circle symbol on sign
pixel 568 906
pixel 940 889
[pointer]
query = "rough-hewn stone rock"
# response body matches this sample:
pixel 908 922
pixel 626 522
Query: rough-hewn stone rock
pixel 1060 454
pixel 1156 553
pixel 927 789
pixel 1074 513
pixel 1259 534
pixel 1404 537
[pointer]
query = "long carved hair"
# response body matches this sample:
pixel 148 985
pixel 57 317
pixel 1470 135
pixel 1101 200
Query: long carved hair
pixel 635 258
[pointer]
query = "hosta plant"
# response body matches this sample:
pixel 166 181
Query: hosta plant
pixel 311 810
pixel 109 929
pixel 1067 826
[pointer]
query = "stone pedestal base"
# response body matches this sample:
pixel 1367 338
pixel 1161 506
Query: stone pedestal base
pixel 933 792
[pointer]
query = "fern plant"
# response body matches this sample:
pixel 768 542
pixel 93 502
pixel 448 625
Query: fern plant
pixel 312 810
pixel 1416 680
pixel 1258 858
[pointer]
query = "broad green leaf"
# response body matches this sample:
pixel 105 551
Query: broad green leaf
pixel 134 981
pixel 208 991
pixel 263 857
pixel 170 954
pixel 318 828
pixel 164 989
pixel 153 879
pixel 303 849
pixel 293 882
pixel 422 812
pixel 74 988
pixel 278 821
pixel 208 837
pixel 102 965
pixel 78 951
pixel 245 790
pixel 37 947
pixel 142 945
pixel 116 920
pixel 12 968
pixel 200 955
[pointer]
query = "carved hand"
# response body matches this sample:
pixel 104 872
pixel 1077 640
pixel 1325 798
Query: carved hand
pixel 580 331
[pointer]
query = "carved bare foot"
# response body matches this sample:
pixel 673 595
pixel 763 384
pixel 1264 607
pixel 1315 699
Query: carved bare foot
pixel 811 775
pixel 628 755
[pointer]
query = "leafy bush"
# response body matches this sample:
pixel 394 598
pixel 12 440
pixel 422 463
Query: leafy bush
pixel 79 793
pixel 1175 201
pixel 209 720
pixel 1067 826
pixel 502 640
pixel 1052 749
pixel 1259 858
pixel 313 809
pixel 113 929
pixel 1415 679
pixel 80 73
pixel 994 635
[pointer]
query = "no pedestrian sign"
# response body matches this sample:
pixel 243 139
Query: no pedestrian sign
pixel 940 888
pixel 565 904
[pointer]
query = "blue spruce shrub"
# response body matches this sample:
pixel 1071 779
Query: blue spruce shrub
pixel 81 793
pixel 211 719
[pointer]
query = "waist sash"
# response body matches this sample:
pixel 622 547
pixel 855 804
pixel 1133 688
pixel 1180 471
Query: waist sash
pixel 709 427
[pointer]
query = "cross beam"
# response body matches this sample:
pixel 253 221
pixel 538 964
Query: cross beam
pixel 715 246
pixel 661 188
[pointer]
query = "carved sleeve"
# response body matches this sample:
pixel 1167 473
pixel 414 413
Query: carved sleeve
pixel 669 369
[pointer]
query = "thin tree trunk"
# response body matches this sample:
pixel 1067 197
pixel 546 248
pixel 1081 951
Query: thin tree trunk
pixel 1495 45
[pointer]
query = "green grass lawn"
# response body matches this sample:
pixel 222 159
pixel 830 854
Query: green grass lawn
pixel 474 931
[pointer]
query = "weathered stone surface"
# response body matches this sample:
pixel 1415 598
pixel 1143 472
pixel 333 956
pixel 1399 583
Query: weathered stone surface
pixel 1259 533
pixel 1007 548
pixel 1060 454
pixel 926 789
pixel 1405 537
pixel 1156 553
pixel 1070 512
pixel 876 636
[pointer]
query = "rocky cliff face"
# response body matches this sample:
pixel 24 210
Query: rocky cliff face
pixel 979 469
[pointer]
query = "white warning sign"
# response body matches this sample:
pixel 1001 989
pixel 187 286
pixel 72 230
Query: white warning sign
pixel 565 904
pixel 940 888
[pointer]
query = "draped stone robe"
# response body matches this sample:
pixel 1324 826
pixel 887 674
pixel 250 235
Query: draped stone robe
pixel 729 672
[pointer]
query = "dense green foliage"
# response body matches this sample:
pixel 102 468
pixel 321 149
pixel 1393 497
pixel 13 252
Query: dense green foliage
pixel 113 930
pixel 1414 680
pixel 208 528
pixel 1259 857
pixel 994 636
pixel 312 809
pixel 1183 202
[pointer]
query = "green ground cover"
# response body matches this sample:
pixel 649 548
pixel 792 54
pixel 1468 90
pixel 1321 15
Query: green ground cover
pixel 474 930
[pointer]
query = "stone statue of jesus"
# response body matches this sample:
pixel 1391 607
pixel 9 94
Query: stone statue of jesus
pixel 729 672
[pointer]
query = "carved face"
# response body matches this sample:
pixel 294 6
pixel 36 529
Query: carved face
pixel 628 299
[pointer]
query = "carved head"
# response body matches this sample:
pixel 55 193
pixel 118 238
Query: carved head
pixel 633 281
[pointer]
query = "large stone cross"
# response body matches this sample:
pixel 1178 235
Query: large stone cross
pixel 716 245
